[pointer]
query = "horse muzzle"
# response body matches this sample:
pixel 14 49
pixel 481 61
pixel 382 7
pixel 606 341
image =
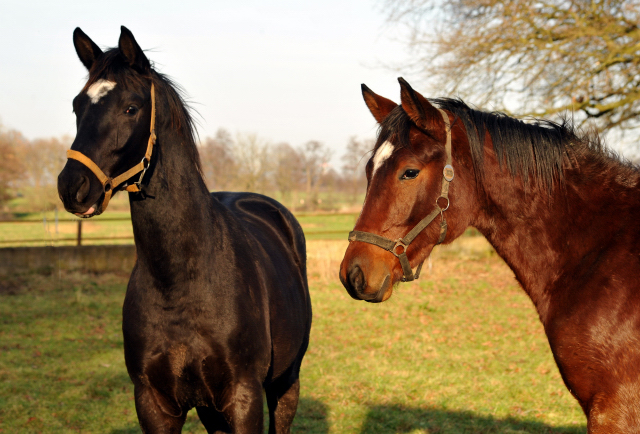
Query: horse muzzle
pixel 80 193
pixel 373 287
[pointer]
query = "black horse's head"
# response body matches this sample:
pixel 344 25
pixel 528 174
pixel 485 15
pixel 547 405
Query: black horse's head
pixel 113 117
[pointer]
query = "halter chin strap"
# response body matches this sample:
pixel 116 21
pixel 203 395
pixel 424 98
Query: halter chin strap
pixel 399 246
pixel 110 184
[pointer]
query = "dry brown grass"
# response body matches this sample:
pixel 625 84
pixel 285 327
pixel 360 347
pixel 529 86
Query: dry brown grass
pixel 324 256
pixel 323 259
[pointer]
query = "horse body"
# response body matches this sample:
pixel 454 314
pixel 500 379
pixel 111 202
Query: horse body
pixel 576 254
pixel 565 221
pixel 192 339
pixel 217 308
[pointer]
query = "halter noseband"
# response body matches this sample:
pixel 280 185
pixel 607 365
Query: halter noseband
pixel 110 184
pixel 402 243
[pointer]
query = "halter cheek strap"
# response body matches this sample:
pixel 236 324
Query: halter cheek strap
pixel 110 184
pixel 399 246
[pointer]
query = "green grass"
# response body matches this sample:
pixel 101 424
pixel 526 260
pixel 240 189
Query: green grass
pixel 327 226
pixel 45 231
pixel 115 228
pixel 460 351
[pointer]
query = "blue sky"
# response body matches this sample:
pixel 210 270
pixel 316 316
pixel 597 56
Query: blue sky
pixel 286 70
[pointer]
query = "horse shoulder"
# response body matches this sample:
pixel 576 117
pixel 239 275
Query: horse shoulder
pixel 594 332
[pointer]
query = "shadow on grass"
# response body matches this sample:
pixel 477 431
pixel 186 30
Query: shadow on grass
pixel 394 419
pixel 311 418
pixel 135 429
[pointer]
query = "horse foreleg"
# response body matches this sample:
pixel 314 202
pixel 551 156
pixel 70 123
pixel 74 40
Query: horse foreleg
pixel 242 407
pixel 213 421
pixel 153 416
pixel 282 399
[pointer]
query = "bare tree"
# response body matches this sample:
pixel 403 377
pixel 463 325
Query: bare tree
pixel 287 170
pixel 548 55
pixel 353 165
pixel 218 162
pixel 332 184
pixel 42 160
pixel 315 162
pixel 252 157
pixel 42 171
pixel 11 167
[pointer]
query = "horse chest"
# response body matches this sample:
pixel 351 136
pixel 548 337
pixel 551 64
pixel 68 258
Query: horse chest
pixel 177 344
pixel 176 376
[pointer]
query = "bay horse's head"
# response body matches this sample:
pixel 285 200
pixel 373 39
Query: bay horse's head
pixel 114 124
pixel 416 197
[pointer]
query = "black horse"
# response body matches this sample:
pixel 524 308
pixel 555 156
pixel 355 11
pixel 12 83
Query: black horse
pixel 217 308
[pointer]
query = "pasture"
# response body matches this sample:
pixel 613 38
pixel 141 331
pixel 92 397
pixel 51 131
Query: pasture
pixel 459 351
pixel 44 229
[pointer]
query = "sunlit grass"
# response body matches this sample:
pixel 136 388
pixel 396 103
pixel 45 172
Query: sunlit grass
pixel 460 351
pixel 43 229
pixel 327 226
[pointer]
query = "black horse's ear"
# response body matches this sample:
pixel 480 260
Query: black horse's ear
pixel 419 109
pixel 379 106
pixel 131 51
pixel 87 50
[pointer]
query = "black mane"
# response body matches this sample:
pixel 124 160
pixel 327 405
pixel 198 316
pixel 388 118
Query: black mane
pixel 537 151
pixel 172 111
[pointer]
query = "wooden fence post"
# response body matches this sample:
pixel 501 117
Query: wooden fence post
pixel 79 233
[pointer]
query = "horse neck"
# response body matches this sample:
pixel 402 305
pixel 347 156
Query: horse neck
pixel 545 237
pixel 176 218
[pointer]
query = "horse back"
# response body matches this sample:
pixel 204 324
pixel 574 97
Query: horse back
pixel 268 221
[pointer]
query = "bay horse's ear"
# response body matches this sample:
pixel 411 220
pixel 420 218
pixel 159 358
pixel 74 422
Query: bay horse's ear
pixel 379 106
pixel 87 50
pixel 421 112
pixel 131 51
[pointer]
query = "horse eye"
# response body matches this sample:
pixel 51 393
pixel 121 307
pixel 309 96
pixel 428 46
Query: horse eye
pixel 410 174
pixel 132 110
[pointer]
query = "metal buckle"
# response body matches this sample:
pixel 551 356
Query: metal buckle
pixel 145 164
pixel 397 244
pixel 438 205
pixel 448 172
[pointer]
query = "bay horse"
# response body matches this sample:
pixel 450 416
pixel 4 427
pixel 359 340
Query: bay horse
pixel 561 210
pixel 217 307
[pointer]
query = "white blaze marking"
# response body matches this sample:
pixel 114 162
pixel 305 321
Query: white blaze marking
pixel 99 89
pixel 382 154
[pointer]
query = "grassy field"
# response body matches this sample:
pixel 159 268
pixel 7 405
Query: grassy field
pixel 44 230
pixel 115 228
pixel 459 351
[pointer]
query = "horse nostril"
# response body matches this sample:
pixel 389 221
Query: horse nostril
pixel 83 189
pixel 356 278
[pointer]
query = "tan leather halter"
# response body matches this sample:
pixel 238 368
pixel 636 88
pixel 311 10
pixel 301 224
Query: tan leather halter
pixel 110 184
pixel 399 246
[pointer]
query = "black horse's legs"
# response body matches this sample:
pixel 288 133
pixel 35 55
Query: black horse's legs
pixel 282 400
pixel 213 421
pixel 152 418
pixel 243 407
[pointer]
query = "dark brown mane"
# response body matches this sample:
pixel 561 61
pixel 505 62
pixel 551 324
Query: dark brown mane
pixel 538 151
pixel 172 110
